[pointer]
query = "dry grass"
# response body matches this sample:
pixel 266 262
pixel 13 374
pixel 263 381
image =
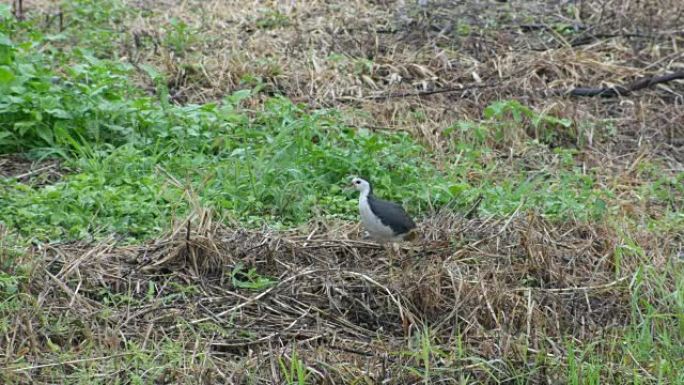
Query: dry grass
pixel 352 56
pixel 505 289
pixel 359 56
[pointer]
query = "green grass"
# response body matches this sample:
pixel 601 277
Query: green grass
pixel 280 165
pixel 280 169
pixel 294 372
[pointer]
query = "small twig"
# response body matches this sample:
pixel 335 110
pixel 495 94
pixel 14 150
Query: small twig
pixel 171 178
pixel 530 308
pixel 60 363
pixel 489 305
pixel 34 172
pixel 406 94
pixel 574 288
pixel 246 343
pixel 609 92
pixel 637 85
pixel 508 222
pixel 187 237
pixel 473 210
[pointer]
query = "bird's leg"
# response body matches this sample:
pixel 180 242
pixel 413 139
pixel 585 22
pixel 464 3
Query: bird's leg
pixel 385 246
pixel 390 247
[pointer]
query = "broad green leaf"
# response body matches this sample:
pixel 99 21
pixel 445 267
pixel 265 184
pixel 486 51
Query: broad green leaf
pixel 45 133
pixel 5 40
pixel 23 127
pixel 152 72
pixel 457 189
pixel 6 76
pixel 6 54
pixel 5 11
pixel 59 113
pixel 238 96
pixel 4 134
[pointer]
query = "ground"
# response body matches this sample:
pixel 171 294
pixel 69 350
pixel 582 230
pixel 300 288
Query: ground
pixel 173 205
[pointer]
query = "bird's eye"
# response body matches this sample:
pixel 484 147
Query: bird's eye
pixel 358 182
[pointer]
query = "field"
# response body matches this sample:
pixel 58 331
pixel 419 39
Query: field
pixel 175 208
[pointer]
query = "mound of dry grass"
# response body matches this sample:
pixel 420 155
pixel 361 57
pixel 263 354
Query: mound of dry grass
pixel 502 290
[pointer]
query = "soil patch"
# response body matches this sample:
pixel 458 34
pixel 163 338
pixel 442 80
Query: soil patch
pixel 37 173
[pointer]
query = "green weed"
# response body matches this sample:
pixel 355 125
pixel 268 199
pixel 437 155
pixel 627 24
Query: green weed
pixel 508 116
pixel 272 19
pixel 250 279
pixel 296 371
pixel 49 114
pixel 179 36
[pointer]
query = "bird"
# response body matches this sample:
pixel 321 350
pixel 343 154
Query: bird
pixel 385 221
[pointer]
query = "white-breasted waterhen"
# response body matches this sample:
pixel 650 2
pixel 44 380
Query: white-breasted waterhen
pixel 385 221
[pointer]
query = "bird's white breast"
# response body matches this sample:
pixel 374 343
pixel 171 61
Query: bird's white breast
pixel 372 223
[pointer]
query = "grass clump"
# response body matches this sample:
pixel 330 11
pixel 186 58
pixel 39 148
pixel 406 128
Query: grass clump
pixel 47 112
pixel 280 166
pixel 134 156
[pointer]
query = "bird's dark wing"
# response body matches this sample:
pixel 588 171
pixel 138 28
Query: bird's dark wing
pixel 391 214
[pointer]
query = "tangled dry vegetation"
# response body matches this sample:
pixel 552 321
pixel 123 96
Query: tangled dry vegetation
pixel 493 299
pixel 421 70
pixel 504 288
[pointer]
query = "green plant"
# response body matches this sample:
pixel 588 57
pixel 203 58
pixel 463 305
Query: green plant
pixel 249 279
pixel 272 19
pixel 9 285
pixel 463 29
pixel 53 115
pixel 508 116
pixel 426 353
pixel 178 36
pixel 92 25
pixel 296 371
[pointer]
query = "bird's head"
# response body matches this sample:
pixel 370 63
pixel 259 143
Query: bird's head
pixel 361 184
